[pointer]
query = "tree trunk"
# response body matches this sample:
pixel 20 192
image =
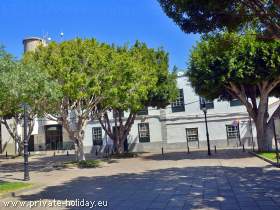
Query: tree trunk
pixel 80 150
pixel 20 147
pixel 120 147
pixel 258 112
pixel 263 141
pixel 262 125
pixel 76 135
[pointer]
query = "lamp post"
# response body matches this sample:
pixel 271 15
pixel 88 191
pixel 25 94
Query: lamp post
pixel 25 143
pixel 251 131
pixel 204 109
pixel 276 139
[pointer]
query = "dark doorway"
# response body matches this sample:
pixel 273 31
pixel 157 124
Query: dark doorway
pixel 31 144
pixel 54 139
pixel 125 143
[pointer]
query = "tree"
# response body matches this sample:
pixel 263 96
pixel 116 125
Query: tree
pixel 203 16
pixel 80 69
pixel 19 84
pixel 140 78
pixel 229 65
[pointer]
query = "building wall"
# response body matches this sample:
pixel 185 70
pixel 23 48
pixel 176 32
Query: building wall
pixel 8 144
pixel 167 128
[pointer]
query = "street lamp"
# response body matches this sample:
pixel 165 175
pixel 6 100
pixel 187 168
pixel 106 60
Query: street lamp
pixel 276 125
pixel 25 143
pixel 204 109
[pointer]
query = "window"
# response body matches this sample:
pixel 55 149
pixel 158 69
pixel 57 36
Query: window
pixel 192 134
pixel 116 114
pixel 97 136
pixel 235 102
pixel 179 104
pixel 232 131
pixel 144 133
pixel 143 111
pixel 208 103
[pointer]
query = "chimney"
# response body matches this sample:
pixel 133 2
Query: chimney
pixel 31 43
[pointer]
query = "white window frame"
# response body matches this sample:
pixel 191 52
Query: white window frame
pixel 96 136
pixel 192 134
pixel 179 102
pixel 144 131
pixel 232 131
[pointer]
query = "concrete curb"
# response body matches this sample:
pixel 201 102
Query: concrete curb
pixel 18 192
pixel 265 159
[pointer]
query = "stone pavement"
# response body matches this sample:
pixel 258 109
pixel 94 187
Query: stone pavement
pixel 230 179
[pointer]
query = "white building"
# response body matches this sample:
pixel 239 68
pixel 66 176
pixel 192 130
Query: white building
pixel 182 124
pixel 179 125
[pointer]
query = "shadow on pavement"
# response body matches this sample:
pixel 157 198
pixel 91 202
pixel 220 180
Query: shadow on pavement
pixel 199 154
pixel 211 187
pixel 37 163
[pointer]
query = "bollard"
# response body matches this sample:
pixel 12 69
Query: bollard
pixel 67 153
pixel 96 152
pixel 109 153
pixel 188 149
pixel 54 154
pixel 215 149
pixel 253 146
pixel 6 154
pixel 243 148
pixel 162 151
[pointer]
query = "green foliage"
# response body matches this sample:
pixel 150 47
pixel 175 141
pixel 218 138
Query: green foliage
pixel 21 83
pixel 125 155
pixel 203 16
pixel 268 155
pixel 82 164
pixel 140 77
pixel 124 77
pixel 166 88
pixel 241 59
pixel 10 186
pixel 89 163
pixel 80 67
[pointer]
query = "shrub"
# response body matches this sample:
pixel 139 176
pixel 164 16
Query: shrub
pixel 89 163
pixel 80 164
pixel 125 155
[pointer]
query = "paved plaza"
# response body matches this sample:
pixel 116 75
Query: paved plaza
pixel 230 179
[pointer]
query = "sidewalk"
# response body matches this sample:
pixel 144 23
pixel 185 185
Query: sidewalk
pixel 230 179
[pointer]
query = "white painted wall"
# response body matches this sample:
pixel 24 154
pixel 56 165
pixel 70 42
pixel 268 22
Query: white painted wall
pixel 172 126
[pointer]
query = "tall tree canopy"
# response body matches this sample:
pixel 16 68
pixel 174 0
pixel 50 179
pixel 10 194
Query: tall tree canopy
pixel 80 67
pixel 19 84
pixel 140 78
pixel 229 65
pixel 202 16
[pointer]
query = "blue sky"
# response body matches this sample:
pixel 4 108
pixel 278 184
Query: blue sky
pixel 111 21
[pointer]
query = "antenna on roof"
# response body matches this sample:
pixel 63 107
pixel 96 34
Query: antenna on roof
pixel 47 37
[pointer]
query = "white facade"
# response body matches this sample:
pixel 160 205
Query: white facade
pixel 167 127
